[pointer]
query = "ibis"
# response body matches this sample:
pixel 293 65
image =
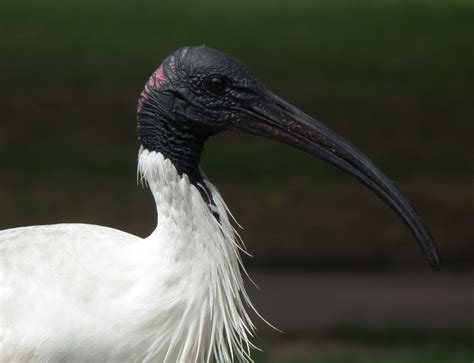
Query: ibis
pixel 87 293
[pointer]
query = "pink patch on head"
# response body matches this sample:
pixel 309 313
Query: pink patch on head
pixel 156 80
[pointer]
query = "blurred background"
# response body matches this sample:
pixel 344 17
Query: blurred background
pixel 339 273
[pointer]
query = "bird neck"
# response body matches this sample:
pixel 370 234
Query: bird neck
pixel 180 199
pixel 159 131
pixel 204 249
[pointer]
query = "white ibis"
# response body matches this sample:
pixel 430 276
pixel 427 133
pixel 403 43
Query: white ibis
pixel 77 293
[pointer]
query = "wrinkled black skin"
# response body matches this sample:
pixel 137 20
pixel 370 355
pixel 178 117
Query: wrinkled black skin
pixel 183 113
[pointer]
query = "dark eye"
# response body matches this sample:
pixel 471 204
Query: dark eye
pixel 216 84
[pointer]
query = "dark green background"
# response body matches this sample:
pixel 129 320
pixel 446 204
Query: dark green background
pixel 394 77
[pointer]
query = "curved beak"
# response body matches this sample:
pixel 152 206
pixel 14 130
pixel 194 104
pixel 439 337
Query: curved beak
pixel 277 119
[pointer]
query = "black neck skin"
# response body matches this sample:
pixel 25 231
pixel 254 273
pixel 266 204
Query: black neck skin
pixel 159 133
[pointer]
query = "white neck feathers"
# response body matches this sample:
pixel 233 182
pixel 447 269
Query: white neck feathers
pixel 213 322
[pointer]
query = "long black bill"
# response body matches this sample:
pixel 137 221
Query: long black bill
pixel 278 119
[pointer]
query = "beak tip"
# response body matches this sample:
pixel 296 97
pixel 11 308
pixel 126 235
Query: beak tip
pixel 434 261
pixel 428 246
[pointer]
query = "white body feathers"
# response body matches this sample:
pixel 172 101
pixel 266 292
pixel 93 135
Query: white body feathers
pixel 77 293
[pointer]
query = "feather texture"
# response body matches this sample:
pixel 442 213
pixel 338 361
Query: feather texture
pixel 78 292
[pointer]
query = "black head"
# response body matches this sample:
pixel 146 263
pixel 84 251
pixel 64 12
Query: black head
pixel 203 91
pixel 198 92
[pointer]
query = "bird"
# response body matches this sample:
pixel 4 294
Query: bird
pixel 82 292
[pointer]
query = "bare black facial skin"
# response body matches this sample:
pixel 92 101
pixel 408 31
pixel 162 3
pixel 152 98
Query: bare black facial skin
pixel 198 92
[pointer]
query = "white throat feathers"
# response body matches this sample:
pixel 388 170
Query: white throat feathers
pixel 210 321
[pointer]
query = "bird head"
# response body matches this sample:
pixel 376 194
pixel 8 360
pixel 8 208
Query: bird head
pixel 198 92
pixel 202 90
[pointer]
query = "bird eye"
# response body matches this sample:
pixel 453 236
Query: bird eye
pixel 216 84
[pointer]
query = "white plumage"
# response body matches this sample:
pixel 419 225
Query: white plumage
pixel 79 292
